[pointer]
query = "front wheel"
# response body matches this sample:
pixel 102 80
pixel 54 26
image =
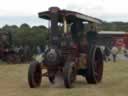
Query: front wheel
pixel 34 75
pixel 69 74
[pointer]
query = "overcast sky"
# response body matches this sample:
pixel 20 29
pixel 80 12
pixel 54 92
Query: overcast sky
pixel 25 11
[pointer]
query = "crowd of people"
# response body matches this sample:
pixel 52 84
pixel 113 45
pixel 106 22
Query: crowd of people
pixel 113 53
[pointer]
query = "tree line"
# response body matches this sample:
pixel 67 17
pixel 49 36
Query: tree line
pixel 26 35
pixel 38 35
pixel 115 26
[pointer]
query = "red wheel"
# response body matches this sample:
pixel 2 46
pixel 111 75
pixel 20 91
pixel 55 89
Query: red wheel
pixel 95 66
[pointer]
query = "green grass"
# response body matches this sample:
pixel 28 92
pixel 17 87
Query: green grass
pixel 13 82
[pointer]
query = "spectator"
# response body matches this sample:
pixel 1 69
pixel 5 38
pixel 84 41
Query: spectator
pixel 114 52
pixel 106 53
pixel 39 51
pixel 126 53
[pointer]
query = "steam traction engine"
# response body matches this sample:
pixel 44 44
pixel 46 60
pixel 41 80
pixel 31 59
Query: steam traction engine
pixel 70 51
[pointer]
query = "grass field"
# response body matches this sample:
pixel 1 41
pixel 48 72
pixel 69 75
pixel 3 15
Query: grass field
pixel 13 82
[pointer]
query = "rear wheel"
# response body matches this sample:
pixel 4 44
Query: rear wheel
pixel 95 66
pixel 34 75
pixel 69 74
